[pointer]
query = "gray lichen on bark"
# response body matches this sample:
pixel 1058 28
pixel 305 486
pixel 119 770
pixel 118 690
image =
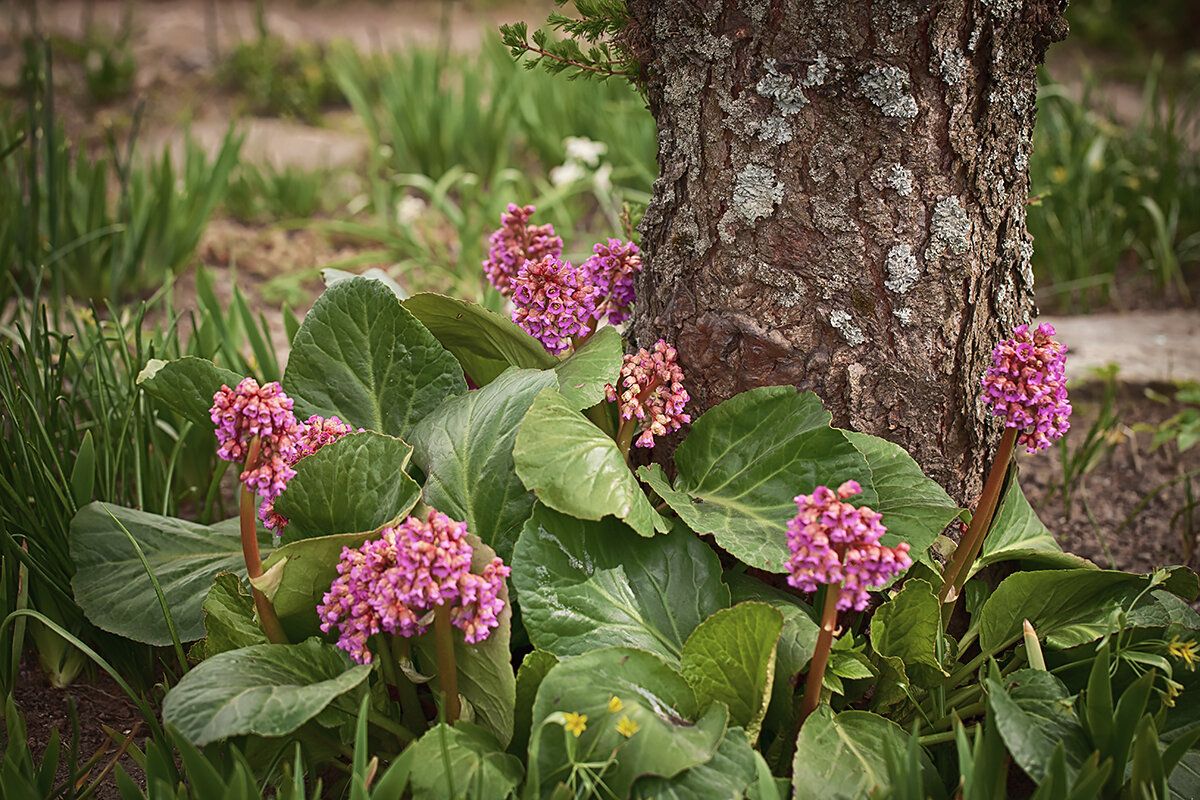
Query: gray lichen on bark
pixel 793 170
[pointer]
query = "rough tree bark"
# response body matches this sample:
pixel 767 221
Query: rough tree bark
pixel 841 204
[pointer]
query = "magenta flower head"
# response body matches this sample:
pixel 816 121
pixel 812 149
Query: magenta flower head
pixel 392 584
pixel 553 301
pixel 611 269
pixel 514 243
pixel 314 434
pixel 266 412
pixel 1026 386
pixel 651 391
pixel 833 542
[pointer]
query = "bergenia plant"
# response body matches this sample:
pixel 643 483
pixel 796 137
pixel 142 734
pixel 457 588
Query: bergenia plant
pixel 1026 386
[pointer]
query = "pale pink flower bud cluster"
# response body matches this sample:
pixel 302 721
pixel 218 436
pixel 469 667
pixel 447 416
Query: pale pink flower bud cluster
pixel 553 301
pixel 651 390
pixel 392 584
pixel 1026 386
pixel 611 269
pixel 266 412
pixel 314 434
pixel 514 243
pixel 831 541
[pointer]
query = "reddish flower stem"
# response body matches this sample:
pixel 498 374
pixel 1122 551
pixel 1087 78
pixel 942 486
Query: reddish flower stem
pixel 972 541
pixel 447 676
pixel 820 657
pixel 254 569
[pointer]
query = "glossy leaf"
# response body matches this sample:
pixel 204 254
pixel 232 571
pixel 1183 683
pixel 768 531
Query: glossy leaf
pixel 265 689
pixel 730 658
pixel 669 736
pixel 1018 535
pixel 574 468
pixel 112 587
pixel 484 342
pixel 229 621
pixel 585 585
pixel 187 385
pixel 464 761
pixel 745 461
pixel 465 448
pixel 907 627
pixel 584 374
pixel 311 566
pixel 728 773
pixel 530 674
pixel 360 356
pixel 843 756
pixel 355 484
pixel 1033 711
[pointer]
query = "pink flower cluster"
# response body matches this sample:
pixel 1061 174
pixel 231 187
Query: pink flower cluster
pixel 514 243
pixel 1026 386
pixel 266 412
pixel 314 434
pixel 391 584
pixel 833 542
pixel 652 391
pixel 553 301
pixel 611 269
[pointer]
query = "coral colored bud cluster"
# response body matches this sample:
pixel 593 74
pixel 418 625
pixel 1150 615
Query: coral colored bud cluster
pixel 833 542
pixel 314 434
pixel 1026 386
pixel 611 269
pixel 553 301
pixel 264 411
pixel 514 243
pixel 391 584
pixel 651 390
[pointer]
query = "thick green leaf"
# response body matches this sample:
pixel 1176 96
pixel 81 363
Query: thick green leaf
pixel 574 468
pixel 1034 712
pixel 843 756
pixel 464 761
pixel 306 577
pixel 907 627
pixel 530 674
pixel 583 376
pixel 745 461
pixel 331 276
pixel 1157 609
pixel 361 356
pixel 1018 535
pixel 187 384
pixel 112 587
pixel 465 448
pixel 484 342
pixel 915 508
pixel 669 738
pixel 265 689
pixel 229 617
pixel 1053 600
pixel 728 773
pixel 584 585
pixel 355 484
pixel 485 673
pixel 730 658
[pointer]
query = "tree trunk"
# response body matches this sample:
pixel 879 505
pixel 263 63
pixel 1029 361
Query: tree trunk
pixel 841 204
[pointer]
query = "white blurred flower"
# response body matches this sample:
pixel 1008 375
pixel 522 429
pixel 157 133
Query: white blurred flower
pixel 584 150
pixel 409 210
pixel 603 179
pixel 567 173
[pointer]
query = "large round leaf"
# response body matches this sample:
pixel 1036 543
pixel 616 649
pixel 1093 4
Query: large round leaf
pixel 355 484
pixel 907 628
pixel 573 467
pixel 465 449
pixel 669 737
pixel 583 376
pixel 728 773
pixel 745 461
pixel 187 384
pixel 111 584
pixel 359 355
pixel 1016 534
pixel 264 689
pixel 304 571
pixel 730 657
pixel 484 342
pixel 464 761
pixel 584 585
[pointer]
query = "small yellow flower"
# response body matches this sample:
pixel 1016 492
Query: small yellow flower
pixel 615 704
pixel 1173 690
pixel 627 727
pixel 1185 651
pixel 575 723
